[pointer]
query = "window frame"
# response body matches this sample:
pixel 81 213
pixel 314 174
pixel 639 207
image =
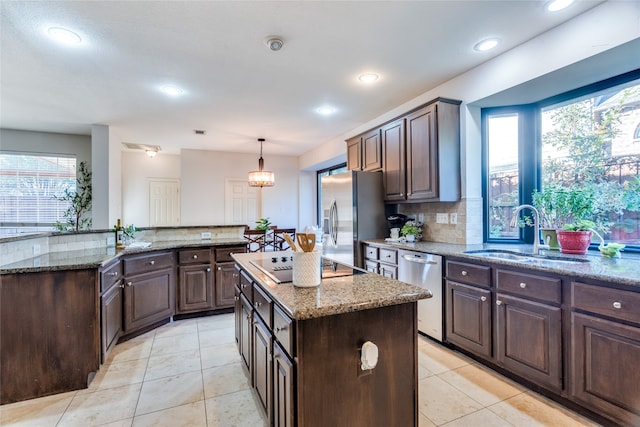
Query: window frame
pixel 530 148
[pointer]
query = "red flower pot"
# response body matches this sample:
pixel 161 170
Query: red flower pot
pixel 574 242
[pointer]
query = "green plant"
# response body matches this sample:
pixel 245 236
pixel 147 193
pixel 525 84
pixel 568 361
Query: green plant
pixel 79 203
pixel 130 231
pixel 410 228
pixel 263 224
pixel 580 225
pixel 611 250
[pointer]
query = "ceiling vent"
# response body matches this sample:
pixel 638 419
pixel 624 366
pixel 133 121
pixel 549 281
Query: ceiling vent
pixel 199 131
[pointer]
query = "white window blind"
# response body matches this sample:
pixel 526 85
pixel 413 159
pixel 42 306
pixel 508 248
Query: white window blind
pixel 28 184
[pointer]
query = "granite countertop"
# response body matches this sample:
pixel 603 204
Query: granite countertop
pixel 95 258
pixel 334 295
pixel 624 271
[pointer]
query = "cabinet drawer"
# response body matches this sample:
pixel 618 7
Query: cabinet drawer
pixel 389 256
pixel 246 286
pixel 148 262
pixel 263 305
pixel 371 252
pixel 527 285
pixel 194 256
pixel 110 276
pixel 224 254
pixel 469 273
pixel 623 305
pixel 283 330
pixel 371 266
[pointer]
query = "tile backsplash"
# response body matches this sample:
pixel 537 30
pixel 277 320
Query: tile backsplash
pixel 468 227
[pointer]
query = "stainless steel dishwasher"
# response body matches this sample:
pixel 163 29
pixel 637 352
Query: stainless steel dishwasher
pixel 424 270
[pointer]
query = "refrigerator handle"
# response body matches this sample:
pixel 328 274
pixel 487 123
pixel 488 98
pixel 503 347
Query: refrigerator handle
pixel 333 222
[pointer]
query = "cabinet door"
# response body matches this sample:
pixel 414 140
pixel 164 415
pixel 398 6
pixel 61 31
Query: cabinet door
pixel 371 266
pixel 237 314
pixel 393 155
pixel 604 374
pixel 283 388
pixel 354 155
pixel 262 365
pixel 422 154
pixel 390 271
pixel 468 322
pixel 111 318
pixel 225 284
pixel 148 298
pixel 529 340
pixel 195 288
pixel 246 333
pixel 371 151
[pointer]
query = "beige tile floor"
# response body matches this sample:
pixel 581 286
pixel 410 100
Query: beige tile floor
pixel 188 373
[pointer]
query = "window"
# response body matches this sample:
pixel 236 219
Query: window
pixel 326 172
pixel 583 141
pixel 28 184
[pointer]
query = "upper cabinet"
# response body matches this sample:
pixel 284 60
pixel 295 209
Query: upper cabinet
pixel 419 153
pixel 364 152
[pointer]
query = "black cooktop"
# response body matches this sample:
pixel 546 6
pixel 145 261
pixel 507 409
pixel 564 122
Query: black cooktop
pixel 280 269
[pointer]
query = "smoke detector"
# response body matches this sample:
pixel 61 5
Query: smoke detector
pixel 274 43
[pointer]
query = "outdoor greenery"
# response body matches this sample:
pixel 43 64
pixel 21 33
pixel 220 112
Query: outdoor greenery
pixel 77 216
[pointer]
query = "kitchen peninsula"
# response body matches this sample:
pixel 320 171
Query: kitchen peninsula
pixel 311 353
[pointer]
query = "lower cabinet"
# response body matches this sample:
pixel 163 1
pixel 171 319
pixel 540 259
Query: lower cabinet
pixel 529 340
pixel 605 350
pixel 262 368
pixel 148 298
pixel 468 317
pixel 381 261
pixel 283 388
pixel 195 288
pixel 111 304
pixel 225 284
pixel 246 332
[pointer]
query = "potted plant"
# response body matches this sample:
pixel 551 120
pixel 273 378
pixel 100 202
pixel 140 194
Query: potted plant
pixel 411 231
pixel 575 237
pixel 263 224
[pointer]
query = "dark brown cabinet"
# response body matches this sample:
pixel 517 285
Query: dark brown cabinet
pixel 195 283
pixel 422 154
pixel 262 366
pixel 393 155
pixel 364 152
pixel 283 388
pixel 529 340
pixel 605 350
pixel 149 290
pixel 226 276
pixel 111 306
pixel 468 317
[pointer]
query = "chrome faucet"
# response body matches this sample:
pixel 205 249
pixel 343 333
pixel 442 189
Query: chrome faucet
pixel 536 227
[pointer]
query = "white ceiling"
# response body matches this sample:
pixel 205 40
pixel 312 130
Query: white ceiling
pixel 235 88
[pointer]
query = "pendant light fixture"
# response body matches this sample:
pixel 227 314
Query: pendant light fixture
pixel 261 178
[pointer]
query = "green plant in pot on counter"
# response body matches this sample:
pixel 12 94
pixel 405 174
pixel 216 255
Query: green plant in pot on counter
pixel 411 230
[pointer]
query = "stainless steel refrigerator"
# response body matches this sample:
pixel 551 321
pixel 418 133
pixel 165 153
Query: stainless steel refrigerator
pixel 352 210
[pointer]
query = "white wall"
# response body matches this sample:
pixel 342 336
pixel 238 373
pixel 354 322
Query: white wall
pixel 137 169
pixel 46 142
pixel 203 185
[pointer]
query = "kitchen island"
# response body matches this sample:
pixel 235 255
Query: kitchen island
pixel 310 353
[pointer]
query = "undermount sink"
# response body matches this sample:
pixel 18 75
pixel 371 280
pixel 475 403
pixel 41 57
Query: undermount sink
pixel 526 258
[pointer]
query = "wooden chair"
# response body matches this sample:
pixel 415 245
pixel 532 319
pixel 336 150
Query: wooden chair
pixel 278 238
pixel 256 239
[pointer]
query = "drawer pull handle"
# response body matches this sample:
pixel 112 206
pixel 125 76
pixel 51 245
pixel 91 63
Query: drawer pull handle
pixel 195 257
pixel 280 329
pixel 152 262
pixel 483 299
pixel 464 272
pixel 113 274
pixel 208 270
pixel 220 269
pixel 523 285
pixel 498 302
pixel 234 274
pixel 129 284
pixel 236 298
pixel 401 194
pixel 121 286
pixel 617 304
pixel 243 286
pixel 257 304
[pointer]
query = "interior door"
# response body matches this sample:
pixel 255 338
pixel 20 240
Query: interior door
pixel 241 202
pixel 164 202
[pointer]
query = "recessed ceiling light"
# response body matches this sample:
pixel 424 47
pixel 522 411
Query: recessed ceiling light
pixel 486 44
pixel 274 43
pixel 63 35
pixel 556 5
pixel 171 90
pixel 368 77
pixel 326 110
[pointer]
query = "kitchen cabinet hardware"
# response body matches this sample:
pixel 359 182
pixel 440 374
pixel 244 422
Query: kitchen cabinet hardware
pixel 195 257
pixel 113 274
pixel 483 299
pixel 129 283
pixel 464 272
pixel 498 302
pixel 152 262
pixel 523 285
pixel 208 269
pixel 617 305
